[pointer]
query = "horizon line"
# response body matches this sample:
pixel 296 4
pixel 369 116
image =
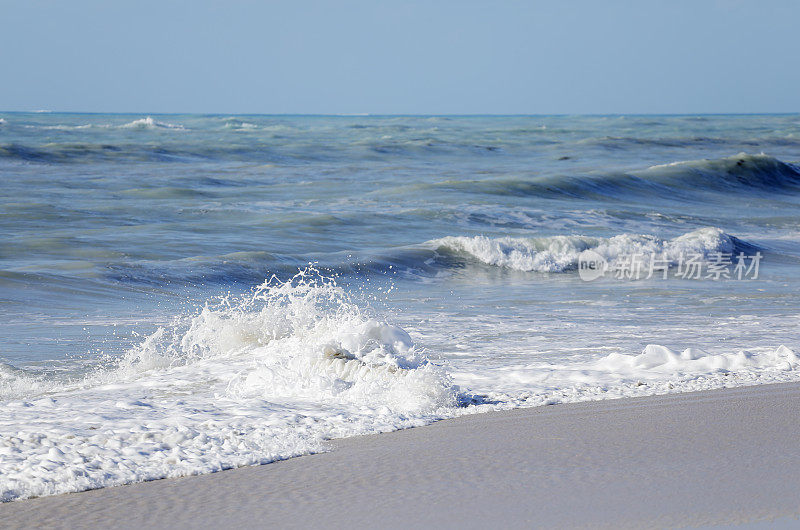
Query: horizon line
pixel 410 115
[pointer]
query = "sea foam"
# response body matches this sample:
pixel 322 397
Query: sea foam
pixel 657 358
pixel 657 369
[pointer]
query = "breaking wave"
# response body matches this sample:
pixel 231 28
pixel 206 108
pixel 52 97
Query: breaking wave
pixel 264 378
pixel 561 253
pixel 550 254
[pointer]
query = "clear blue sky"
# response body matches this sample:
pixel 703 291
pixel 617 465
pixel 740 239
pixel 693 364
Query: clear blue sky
pixel 418 57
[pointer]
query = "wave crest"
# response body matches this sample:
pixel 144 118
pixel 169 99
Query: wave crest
pixel 758 171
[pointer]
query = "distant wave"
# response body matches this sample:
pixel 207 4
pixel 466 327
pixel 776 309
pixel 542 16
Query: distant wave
pixel 76 152
pixel 616 143
pixel 147 123
pixel 274 142
pixel 64 127
pixel 124 152
pixel 689 180
pixel 686 179
pixel 150 123
pixel 237 124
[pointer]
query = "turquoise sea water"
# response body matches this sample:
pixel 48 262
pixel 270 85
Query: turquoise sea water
pixel 461 235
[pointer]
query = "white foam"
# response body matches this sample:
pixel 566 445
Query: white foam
pixel 149 123
pixel 660 359
pixel 561 253
pixel 656 370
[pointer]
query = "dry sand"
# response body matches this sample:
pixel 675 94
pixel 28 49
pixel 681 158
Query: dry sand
pixel 707 458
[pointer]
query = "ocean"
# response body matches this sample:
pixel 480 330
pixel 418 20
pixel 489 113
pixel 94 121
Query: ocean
pixel 183 294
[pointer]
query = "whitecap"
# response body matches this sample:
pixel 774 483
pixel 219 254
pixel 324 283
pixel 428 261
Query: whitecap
pixel 150 123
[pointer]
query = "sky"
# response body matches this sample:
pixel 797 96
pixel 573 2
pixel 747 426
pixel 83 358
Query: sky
pixel 400 57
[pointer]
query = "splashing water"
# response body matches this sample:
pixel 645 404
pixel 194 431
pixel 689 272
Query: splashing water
pixel 270 377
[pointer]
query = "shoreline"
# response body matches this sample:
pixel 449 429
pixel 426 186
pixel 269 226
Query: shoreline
pixel 726 456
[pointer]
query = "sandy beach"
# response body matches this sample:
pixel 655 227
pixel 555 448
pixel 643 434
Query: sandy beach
pixel 708 458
